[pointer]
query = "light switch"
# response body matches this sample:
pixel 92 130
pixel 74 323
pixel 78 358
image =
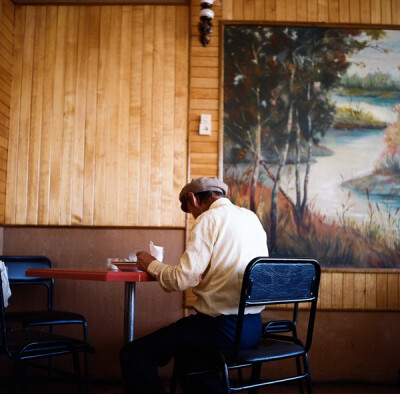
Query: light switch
pixel 205 124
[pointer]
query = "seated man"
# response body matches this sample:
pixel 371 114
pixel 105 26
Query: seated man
pixel 224 239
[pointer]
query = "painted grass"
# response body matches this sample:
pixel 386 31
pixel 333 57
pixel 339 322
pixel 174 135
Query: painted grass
pixel 334 243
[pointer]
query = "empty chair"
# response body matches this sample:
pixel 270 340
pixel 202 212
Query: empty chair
pixel 25 345
pixel 267 281
pixel 16 266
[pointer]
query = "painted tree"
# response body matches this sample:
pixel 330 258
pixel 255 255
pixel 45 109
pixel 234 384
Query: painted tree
pixel 276 85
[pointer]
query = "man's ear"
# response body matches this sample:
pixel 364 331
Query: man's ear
pixel 193 199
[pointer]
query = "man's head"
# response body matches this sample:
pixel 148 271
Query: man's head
pixel 202 189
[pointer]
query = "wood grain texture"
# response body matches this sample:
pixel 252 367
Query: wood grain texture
pixel 99 115
pixel 339 290
pixel 6 69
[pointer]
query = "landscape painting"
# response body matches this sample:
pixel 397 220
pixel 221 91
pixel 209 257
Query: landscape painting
pixel 311 139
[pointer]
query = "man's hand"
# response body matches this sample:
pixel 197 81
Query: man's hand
pixel 143 260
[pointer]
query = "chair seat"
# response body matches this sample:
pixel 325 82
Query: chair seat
pixel 36 343
pixel 33 318
pixel 268 350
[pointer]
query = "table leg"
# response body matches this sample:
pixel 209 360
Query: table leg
pixel 129 312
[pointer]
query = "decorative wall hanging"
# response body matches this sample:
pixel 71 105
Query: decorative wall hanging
pixel 205 24
pixel 311 138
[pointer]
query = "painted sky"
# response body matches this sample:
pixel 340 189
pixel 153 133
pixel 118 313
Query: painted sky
pixel 378 61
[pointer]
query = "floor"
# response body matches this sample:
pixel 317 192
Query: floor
pixel 96 387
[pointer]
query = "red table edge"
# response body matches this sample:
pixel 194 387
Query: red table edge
pixel 90 274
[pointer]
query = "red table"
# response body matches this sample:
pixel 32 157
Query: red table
pixel 129 277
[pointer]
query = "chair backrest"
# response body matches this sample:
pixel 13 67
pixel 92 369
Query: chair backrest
pixel 271 281
pixel 17 265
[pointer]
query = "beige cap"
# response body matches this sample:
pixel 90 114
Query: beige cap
pixel 198 185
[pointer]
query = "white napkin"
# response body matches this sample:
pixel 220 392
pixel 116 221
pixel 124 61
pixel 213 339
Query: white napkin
pixel 156 251
pixel 5 284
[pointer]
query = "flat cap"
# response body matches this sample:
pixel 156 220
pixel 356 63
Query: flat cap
pixel 198 185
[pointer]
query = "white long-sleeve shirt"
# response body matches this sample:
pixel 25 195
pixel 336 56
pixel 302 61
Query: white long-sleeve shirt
pixel 224 239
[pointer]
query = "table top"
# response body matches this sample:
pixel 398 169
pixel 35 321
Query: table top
pixel 134 275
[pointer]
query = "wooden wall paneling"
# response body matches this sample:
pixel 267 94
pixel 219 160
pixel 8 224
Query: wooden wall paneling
pixel 113 111
pixel 280 7
pixel 354 11
pixel 344 11
pixel 79 124
pixel 370 291
pixel 259 9
pixel 25 117
pixel 337 290
pixel 122 126
pixel 382 285
pixel 94 104
pixel 182 103
pixel 323 10
pixel 365 11
pixel 312 11
pixel 386 6
pixel 36 116
pixel 147 95
pixel 168 198
pixel 393 291
pixel 58 116
pixel 6 67
pixel 70 106
pixel 156 170
pixel 376 12
pixel 270 10
pixel 301 10
pixel 102 117
pixel 359 291
pixel 396 12
pixel 92 68
pixel 135 124
pixel 47 117
pixel 12 162
pixel 333 11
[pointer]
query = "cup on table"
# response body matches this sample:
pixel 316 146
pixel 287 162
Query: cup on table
pixel 111 261
pixel 133 255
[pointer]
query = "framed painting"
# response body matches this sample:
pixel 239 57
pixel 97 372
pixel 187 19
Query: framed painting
pixel 311 138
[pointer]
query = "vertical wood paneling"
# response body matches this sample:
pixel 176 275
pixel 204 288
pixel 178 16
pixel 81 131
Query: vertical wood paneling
pixel 99 124
pixel 135 114
pixel 91 115
pixel 6 69
pixel 348 290
pixel 36 117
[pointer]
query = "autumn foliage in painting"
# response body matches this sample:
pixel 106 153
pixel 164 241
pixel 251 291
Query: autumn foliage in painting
pixel 277 82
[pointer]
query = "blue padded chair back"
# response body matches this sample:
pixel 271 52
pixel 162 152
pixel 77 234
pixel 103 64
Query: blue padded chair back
pixel 271 281
pixel 17 265
pixel 281 281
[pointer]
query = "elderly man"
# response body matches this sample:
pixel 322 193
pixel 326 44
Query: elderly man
pixel 223 240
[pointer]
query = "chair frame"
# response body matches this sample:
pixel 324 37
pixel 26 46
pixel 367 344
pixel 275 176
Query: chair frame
pixel 22 345
pixel 39 318
pixel 296 290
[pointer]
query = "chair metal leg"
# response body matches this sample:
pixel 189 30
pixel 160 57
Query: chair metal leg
pixel 307 371
pixel 298 367
pixel 255 376
pixel 77 368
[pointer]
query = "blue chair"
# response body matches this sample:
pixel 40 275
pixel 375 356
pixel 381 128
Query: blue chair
pixel 267 281
pixel 22 346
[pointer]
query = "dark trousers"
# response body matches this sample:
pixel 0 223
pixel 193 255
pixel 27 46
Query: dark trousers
pixel 141 358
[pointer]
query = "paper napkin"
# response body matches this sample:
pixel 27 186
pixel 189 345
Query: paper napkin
pixel 5 284
pixel 156 251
